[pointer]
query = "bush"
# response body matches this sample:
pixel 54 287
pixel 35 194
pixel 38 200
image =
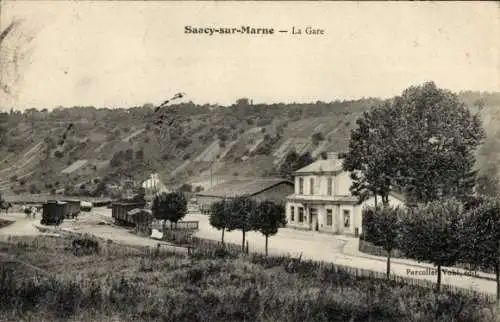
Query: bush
pixel 186 187
pixel 179 237
pixel 85 246
pixel 317 137
pixel 183 143
pixel 256 288
pixel 58 154
pixel 33 189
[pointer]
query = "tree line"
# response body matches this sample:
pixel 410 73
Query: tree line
pixel 444 232
pixel 245 214
pixel 240 213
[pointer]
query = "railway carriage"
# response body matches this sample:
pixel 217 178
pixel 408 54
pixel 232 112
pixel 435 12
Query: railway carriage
pixel 73 208
pixel 54 212
pixel 120 212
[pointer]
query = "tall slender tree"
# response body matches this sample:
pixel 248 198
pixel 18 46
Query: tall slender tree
pixel 219 216
pixel 386 226
pixel 269 217
pixel 434 233
pixel 242 210
pixel 482 232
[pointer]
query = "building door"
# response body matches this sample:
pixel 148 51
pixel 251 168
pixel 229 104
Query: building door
pixel 313 219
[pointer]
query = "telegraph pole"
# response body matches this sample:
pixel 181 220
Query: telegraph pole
pixel 211 174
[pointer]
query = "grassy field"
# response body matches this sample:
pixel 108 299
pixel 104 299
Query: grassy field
pixel 42 279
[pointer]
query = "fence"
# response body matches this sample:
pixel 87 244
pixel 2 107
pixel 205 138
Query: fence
pixel 201 243
pixel 106 245
pixel 197 242
pixel 187 225
pixel 368 248
pixel 205 244
pixel 181 225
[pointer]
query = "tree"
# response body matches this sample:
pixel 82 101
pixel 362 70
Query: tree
pixel 269 217
pixel 219 216
pixel 169 206
pixel 433 233
pixel 386 226
pixel 186 187
pixel 117 159
pixel 422 142
pixel 368 224
pixel 140 195
pixel 482 230
pixel 317 137
pixel 293 161
pixel 242 102
pixel 370 158
pixel 241 209
pixel 487 182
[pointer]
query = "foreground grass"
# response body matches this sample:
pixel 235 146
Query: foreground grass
pixel 5 223
pixel 129 284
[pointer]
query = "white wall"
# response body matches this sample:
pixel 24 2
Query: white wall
pixel 342 184
pixel 320 185
pixel 337 226
pixel 392 202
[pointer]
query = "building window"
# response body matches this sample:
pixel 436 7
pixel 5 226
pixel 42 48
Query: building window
pixel 301 186
pixel 292 213
pixel 347 219
pixel 301 214
pixel 312 212
pixel 329 217
pixel 330 184
pixel 311 186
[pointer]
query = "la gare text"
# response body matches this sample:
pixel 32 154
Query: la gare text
pixel 210 31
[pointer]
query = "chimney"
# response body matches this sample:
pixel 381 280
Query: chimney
pixel 332 155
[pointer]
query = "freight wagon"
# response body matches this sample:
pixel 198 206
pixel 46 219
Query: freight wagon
pixel 54 212
pixel 119 211
pixel 73 208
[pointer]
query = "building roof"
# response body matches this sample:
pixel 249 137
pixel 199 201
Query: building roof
pixel 328 165
pixel 136 211
pixel 243 187
pixel 316 198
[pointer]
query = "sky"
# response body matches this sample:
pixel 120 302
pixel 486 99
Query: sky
pixel 121 54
